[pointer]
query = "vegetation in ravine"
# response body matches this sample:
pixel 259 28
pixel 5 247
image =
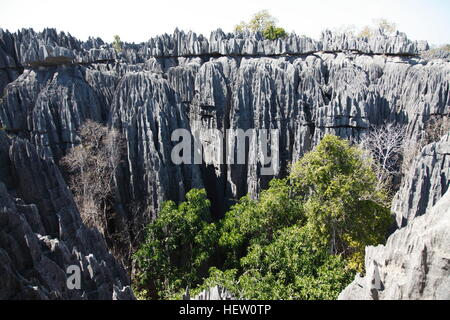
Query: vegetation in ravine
pixel 304 238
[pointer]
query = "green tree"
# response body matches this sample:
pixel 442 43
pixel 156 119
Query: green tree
pixel 366 32
pixel 252 221
pixel 258 23
pixel 263 22
pixel 178 248
pixel 343 205
pixel 117 44
pixel 303 238
pixel 385 26
pixel 290 267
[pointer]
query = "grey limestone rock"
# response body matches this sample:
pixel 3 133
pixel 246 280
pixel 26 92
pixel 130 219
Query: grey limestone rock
pixel 42 234
pixel 413 265
pixel 379 43
pixel 304 97
pixel 51 83
pixel 145 110
pixel 426 182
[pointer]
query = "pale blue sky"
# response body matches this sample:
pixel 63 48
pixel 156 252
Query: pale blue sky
pixel 137 20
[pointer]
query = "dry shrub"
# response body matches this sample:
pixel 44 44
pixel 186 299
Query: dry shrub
pixel 91 167
pixel 384 145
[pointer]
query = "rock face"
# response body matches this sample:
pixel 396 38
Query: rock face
pixel 426 182
pixel 50 83
pixel 303 97
pixel 413 265
pixel 154 113
pixel 42 234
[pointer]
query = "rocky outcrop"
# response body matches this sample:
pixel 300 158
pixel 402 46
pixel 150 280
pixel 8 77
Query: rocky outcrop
pixel 413 265
pixel 47 107
pixel 27 48
pixel 437 53
pixel 145 110
pixel 254 44
pixel 51 48
pixel 426 182
pixel 42 235
pixel 378 43
pixel 9 66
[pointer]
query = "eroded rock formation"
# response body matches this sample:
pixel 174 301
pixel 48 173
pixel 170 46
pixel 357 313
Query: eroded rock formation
pixel 42 234
pixel 177 81
pixel 426 182
pixel 51 83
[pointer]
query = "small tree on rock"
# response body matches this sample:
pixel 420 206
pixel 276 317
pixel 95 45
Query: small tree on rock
pixel 385 146
pixel 91 167
pixel 263 22
pixel 117 44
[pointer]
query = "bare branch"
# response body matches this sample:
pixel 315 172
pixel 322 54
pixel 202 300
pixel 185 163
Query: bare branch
pixel 385 146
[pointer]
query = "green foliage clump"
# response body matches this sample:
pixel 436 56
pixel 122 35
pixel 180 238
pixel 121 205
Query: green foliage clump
pixel 250 221
pixel 292 267
pixel 343 205
pixel 304 238
pixel 263 22
pixel 273 33
pixel 178 248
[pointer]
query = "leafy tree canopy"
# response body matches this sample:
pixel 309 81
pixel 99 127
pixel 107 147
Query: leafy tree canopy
pixel 263 22
pixel 178 247
pixel 304 238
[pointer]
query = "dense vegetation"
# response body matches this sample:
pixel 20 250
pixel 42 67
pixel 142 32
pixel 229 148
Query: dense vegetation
pixel 179 246
pixel 303 238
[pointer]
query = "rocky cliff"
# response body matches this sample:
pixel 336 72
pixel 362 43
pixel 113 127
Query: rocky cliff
pixel 51 83
pixel 303 87
pixel 426 182
pixel 42 234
